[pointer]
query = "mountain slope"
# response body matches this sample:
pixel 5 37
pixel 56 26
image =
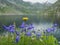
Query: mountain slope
pixel 19 6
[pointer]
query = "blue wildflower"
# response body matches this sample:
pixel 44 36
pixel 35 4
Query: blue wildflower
pixel 12 26
pixel 23 25
pixel 53 28
pixel 28 33
pixel 55 25
pixel 5 27
pixel 12 30
pixel 48 30
pixel 9 28
pixel 30 26
pixel 17 33
pixel 17 39
pixel 24 30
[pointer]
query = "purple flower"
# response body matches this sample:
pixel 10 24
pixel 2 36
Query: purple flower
pixel 53 28
pixel 28 33
pixel 12 26
pixel 12 30
pixel 5 27
pixel 55 25
pixel 17 33
pixel 24 30
pixel 48 30
pixel 9 28
pixel 23 25
pixel 17 39
pixel 30 26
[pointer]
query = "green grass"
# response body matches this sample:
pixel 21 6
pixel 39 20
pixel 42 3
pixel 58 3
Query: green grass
pixel 25 40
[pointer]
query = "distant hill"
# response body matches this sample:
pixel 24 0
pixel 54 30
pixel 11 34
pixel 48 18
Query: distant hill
pixel 21 7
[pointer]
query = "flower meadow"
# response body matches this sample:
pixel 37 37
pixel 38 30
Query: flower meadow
pixel 25 34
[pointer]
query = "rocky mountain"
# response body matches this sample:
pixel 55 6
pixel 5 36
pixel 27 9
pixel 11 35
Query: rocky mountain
pixel 21 7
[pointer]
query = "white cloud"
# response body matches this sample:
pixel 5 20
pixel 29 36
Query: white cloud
pixel 52 1
pixel 40 1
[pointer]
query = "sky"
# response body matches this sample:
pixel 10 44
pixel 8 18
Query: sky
pixel 40 1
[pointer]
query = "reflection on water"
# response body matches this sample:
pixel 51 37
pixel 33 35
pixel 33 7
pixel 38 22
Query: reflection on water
pixel 42 26
pixel 9 19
